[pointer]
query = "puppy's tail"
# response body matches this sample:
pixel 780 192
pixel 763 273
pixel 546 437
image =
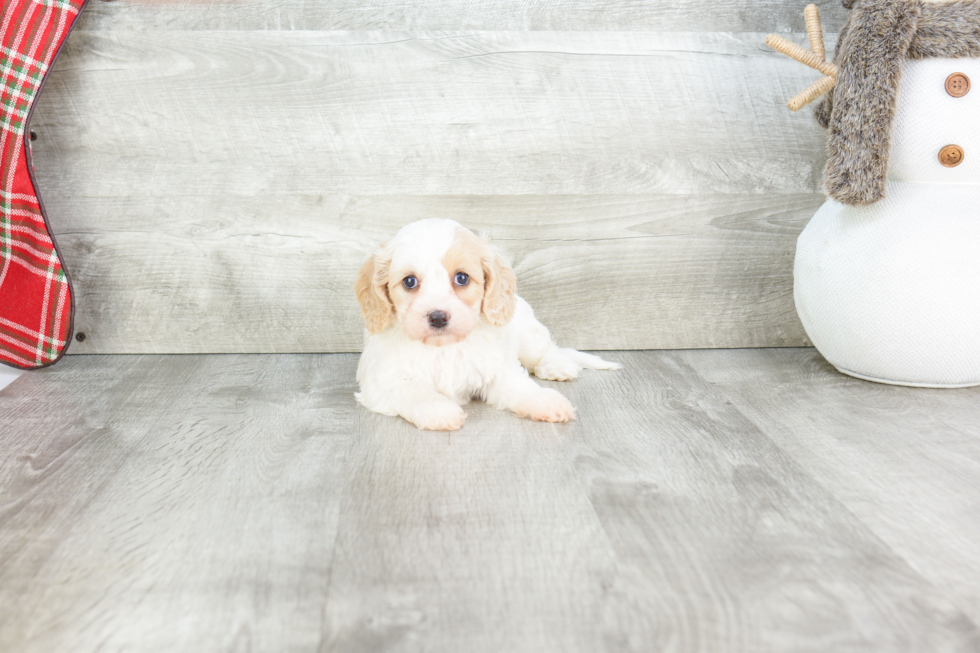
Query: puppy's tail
pixel 589 361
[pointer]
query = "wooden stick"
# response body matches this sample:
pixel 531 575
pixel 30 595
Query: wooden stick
pixel 790 49
pixel 814 31
pixel 811 93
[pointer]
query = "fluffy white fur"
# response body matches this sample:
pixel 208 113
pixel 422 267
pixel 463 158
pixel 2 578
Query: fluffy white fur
pixel 424 371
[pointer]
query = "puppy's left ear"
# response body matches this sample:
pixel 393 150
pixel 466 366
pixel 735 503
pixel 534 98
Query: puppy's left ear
pixel 499 286
pixel 371 286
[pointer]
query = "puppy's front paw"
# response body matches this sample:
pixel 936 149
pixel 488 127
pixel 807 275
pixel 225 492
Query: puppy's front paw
pixel 547 406
pixel 438 415
pixel 555 366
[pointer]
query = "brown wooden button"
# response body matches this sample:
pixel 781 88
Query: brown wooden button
pixel 957 84
pixel 951 156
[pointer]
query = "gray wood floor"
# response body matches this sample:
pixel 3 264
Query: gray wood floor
pixel 732 500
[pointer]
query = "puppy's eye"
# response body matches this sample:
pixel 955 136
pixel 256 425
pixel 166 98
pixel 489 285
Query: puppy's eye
pixel 462 278
pixel 410 282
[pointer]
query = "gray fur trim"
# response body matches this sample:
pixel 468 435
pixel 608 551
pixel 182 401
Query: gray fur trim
pixel 870 61
pixel 825 106
pixel 874 43
pixel 947 30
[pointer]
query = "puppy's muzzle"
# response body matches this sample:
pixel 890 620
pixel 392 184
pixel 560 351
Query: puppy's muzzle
pixel 438 319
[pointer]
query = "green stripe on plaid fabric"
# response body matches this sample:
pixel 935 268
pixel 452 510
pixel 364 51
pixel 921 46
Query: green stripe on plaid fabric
pixel 22 229
pixel 34 264
pixel 26 249
pixel 17 331
pixel 18 205
pixel 13 55
pixel 20 77
pixel 54 306
pixel 64 5
pixel 25 341
pixel 36 303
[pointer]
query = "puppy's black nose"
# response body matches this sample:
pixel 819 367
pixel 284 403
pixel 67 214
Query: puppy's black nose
pixel 438 319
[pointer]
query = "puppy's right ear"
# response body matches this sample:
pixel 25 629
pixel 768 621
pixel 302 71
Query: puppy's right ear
pixel 499 286
pixel 371 286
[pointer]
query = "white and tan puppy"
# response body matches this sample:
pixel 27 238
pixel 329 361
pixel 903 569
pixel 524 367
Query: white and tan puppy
pixel 444 326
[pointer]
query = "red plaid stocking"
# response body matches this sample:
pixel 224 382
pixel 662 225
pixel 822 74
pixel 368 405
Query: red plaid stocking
pixel 35 293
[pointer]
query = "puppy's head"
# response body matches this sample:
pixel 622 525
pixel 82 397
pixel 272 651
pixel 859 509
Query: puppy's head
pixel 436 278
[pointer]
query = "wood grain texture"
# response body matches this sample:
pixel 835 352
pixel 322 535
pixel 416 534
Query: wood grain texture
pixel 202 176
pixel 174 503
pixel 482 540
pixel 571 15
pixel 170 504
pixel 905 461
pixel 158 114
pixel 723 542
pixel 274 275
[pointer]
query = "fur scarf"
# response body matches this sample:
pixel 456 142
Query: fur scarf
pixel 877 38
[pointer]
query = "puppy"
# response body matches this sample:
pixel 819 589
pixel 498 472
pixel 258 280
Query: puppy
pixel 444 325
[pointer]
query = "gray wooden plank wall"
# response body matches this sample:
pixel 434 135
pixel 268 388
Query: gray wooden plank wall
pixel 215 172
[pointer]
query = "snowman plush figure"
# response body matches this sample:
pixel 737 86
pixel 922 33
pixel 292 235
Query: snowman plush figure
pixel 887 273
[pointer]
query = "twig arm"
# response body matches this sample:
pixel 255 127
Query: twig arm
pixel 814 31
pixel 816 58
pixel 811 93
pixel 790 49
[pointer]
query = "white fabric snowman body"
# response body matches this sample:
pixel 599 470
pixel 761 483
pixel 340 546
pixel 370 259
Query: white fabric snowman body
pixel 890 291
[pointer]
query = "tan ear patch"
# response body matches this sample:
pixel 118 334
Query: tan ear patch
pixel 466 255
pixel 499 286
pixel 371 287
